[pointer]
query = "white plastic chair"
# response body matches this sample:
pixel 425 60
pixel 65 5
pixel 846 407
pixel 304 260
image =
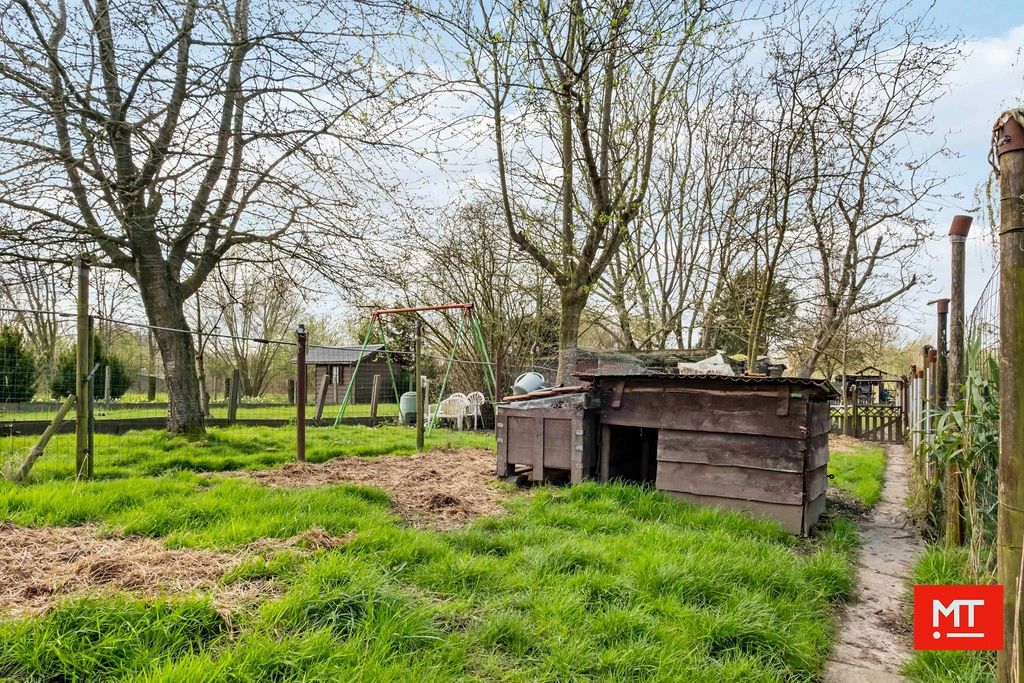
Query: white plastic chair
pixel 452 408
pixel 476 402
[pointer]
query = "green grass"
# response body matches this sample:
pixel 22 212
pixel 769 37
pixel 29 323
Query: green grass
pixel 939 565
pixel 859 470
pixel 119 410
pixel 590 582
pixel 187 509
pixel 154 452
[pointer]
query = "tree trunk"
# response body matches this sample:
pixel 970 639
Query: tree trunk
pixel 573 304
pixel 165 309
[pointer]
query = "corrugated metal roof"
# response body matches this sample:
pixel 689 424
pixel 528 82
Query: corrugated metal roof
pixel 822 384
pixel 338 355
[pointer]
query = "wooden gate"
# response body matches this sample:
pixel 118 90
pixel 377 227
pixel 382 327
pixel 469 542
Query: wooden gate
pixel 878 422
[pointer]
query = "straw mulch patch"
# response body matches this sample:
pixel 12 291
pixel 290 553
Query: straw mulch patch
pixel 41 566
pixel 444 488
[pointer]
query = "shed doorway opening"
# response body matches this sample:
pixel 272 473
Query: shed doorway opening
pixel 629 454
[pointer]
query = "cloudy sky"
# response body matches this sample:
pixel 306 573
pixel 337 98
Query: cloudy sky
pixel 990 79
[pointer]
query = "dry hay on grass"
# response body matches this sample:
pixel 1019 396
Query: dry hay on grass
pixel 41 566
pixel 445 487
pixel 839 442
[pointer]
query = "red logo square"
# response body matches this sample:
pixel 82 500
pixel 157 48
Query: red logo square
pixel 958 617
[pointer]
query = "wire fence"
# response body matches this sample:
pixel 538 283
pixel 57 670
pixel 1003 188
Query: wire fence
pixel 37 365
pixel 983 329
pixel 245 390
pixel 956 442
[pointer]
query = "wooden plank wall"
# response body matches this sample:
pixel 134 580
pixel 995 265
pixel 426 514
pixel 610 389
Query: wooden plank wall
pixel 546 438
pixel 762 449
pixel 754 410
pixel 767 476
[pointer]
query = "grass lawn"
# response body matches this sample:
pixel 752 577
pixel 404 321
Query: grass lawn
pixel 154 452
pixel 591 582
pixel 939 565
pixel 859 469
pixel 136 410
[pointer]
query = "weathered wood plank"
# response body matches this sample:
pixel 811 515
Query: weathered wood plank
pixel 558 442
pixel 817 452
pixel 812 511
pixel 791 517
pixel 732 482
pixel 740 450
pixel 500 434
pixel 538 450
pixel 816 482
pixel 521 435
pixel 707 411
pixel 606 453
pixel 820 421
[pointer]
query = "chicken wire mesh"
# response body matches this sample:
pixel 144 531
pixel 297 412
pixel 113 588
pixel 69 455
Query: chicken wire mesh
pixel 37 364
pixel 983 329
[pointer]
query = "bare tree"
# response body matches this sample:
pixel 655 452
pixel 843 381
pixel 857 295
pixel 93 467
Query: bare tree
pixel 864 199
pixel 573 92
pixel 256 305
pixel 512 295
pixel 37 291
pixel 163 136
pixel 688 237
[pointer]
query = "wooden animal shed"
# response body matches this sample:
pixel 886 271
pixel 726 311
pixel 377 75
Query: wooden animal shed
pixel 756 444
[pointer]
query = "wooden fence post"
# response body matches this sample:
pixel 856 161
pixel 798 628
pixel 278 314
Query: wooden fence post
pixel 82 362
pixel 106 385
pixel 298 393
pixel 90 392
pixel 856 417
pixel 291 389
pixel 958 231
pixel 419 386
pixel 951 477
pixel 941 352
pixel 374 397
pixel 321 396
pixel 1008 139
pixel 233 398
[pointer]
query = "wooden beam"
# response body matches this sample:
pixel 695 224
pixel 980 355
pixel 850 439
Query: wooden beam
pixel 374 395
pixel 321 396
pixel 37 450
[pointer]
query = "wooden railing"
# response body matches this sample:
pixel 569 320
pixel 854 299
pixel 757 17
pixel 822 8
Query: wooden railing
pixel 875 422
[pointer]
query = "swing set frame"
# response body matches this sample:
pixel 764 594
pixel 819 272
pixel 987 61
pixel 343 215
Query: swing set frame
pixel 476 335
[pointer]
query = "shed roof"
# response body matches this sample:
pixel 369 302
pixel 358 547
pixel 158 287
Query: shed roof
pixel 824 386
pixel 338 355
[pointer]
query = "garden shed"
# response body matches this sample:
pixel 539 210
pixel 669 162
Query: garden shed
pixel 338 365
pixel 756 444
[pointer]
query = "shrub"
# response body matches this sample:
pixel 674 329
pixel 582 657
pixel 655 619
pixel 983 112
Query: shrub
pixel 63 383
pixel 17 368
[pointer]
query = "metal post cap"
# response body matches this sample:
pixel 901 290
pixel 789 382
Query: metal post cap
pixel 960 226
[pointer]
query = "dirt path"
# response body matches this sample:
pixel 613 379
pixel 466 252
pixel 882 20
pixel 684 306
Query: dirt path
pixel 874 640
